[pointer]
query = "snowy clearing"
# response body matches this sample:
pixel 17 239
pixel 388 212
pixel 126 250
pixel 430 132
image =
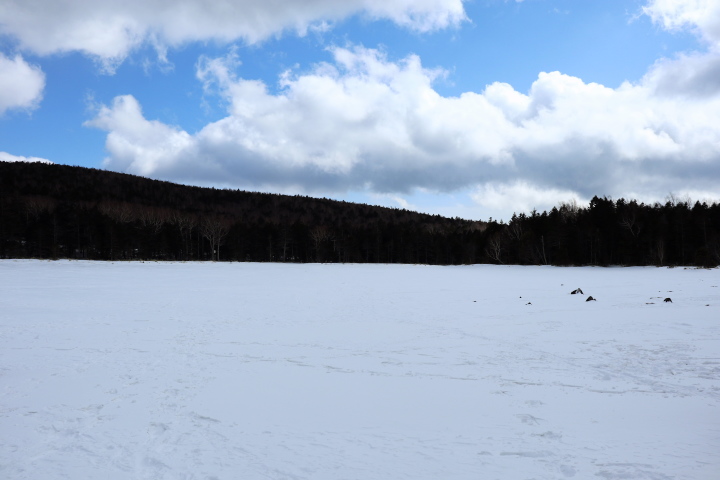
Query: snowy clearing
pixel 277 371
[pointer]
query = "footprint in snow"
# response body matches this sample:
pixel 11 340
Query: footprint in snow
pixel 540 454
pixel 567 470
pixel 528 419
pixel 548 435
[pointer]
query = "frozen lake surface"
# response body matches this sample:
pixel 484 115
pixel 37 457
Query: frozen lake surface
pixel 276 371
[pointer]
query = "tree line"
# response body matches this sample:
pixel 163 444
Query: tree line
pixel 60 211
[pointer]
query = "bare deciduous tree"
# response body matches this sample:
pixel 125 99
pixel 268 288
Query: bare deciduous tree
pixel 569 210
pixel 494 250
pixel 629 222
pixel 515 228
pixel 319 235
pixel 185 223
pixel 675 200
pixel 35 206
pixel 215 229
pixel 154 218
pixel 541 251
pixel 121 212
pixel 660 252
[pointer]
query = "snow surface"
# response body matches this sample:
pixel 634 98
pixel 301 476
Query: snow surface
pixel 271 371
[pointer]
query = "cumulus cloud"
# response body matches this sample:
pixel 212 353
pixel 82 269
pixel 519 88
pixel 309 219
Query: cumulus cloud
pixel 6 157
pixel 140 146
pixel 110 29
pixel 21 84
pixel 690 74
pixel 362 122
pixel 701 16
pixel 693 74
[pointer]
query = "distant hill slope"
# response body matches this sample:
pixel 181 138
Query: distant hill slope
pixel 64 182
pixel 76 212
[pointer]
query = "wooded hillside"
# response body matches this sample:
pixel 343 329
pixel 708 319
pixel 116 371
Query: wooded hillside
pixel 59 211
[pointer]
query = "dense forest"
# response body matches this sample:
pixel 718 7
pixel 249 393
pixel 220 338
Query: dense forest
pixel 59 211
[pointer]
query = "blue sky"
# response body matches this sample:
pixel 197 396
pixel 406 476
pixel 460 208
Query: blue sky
pixel 471 109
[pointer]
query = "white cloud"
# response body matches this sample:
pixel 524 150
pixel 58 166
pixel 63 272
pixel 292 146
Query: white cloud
pixel 362 122
pixel 693 75
pixel 6 157
pixel 138 145
pixel 110 29
pixel 420 15
pixel 21 84
pixel 520 196
pixel 701 16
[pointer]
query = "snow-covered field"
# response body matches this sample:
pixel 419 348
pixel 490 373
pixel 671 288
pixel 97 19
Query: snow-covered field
pixel 270 371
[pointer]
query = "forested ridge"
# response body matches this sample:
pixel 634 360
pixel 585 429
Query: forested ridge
pixel 59 211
